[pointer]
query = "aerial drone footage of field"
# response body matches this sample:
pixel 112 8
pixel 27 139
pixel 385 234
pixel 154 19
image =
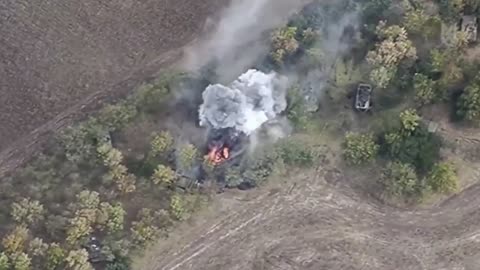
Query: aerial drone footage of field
pixel 249 134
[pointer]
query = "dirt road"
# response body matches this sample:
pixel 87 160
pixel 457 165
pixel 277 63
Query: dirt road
pixel 318 221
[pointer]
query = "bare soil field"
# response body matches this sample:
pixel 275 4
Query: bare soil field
pixel 60 59
pixel 320 219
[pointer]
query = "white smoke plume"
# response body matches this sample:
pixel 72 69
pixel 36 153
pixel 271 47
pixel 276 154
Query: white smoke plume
pixel 250 101
pixel 240 37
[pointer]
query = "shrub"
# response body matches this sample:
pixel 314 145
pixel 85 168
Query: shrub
pixel 55 257
pixel 161 143
pixel 14 242
pixel 144 229
pixel 37 247
pixel 149 97
pixel 424 89
pixel 163 175
pixel 78 260
pixel 115 117
pixel 295 153
pixel 469 102
pixel 419 148
pixel 21 261
pixel 284 44
pixel 27 211
pixel 360 148
pixel 187 157
pixel 443 178
pixel 296 109
pixel 177 207
pixel 4 263
pixel 410 120
pixel 111 217
pixel 400 180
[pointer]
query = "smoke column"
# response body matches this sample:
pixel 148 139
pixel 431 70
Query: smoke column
pixel 251 100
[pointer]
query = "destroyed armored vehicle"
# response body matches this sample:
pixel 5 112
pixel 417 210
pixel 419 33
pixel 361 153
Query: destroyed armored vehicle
pixel 187 184
pixel 469 25
pixel 363 97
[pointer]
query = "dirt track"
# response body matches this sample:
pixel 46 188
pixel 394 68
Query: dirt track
pixel 318 221
pixel 60 59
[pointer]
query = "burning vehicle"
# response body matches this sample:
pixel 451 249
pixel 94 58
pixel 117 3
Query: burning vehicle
pixel 232 113
pixel 225 145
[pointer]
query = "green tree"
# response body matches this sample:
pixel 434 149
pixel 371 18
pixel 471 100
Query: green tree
pixel 400 180
pixel 117 173
pixel 469 102
pixel 177 207
pixel 163 175
pixel 144 230
pixel 55 257
pixel 87 199
pixel 78 260
pixel 111 217
pixel 443 178
pixel 187 156
pixel 382 76
pixel 21 261
pixel 4 263
pixel 162 143
pixel 394 48
pixel 425 89
pixel 284 44
pixel 37 247
pixel 296 109
pixel 14 242
pixel 80 226
pixel 450 10
pixel 410 120
pixel 117 116
pixel 360 148
pixel 27 211
pixel 417 21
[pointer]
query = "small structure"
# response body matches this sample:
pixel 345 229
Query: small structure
pixel 469 26
pixel 363 97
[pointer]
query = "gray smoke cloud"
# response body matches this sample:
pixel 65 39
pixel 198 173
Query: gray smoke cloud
pixel 250 101
pixel 241 35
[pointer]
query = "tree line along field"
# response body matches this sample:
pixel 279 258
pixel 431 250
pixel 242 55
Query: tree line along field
pixel 113 176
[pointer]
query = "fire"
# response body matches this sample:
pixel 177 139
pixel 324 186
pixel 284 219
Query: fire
pixel 218 155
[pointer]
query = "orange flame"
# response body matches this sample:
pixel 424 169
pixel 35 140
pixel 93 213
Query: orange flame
pixel 218 155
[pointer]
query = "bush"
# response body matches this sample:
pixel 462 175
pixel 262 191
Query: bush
pixel 296 109
pixel 163 175
pixel 410 120
pixel 4 263
pixel 144 230
pixel 443 178
pixel 469 102
pixel 425 89
pixel 295 153
pixel 400 180
pixel 162 143
pixel 359 148
pixel 419 148
pixel 177 207
pixel 284 44
pixel 27 211
pixel 187 156
pixel 118 116
pixel 14 242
